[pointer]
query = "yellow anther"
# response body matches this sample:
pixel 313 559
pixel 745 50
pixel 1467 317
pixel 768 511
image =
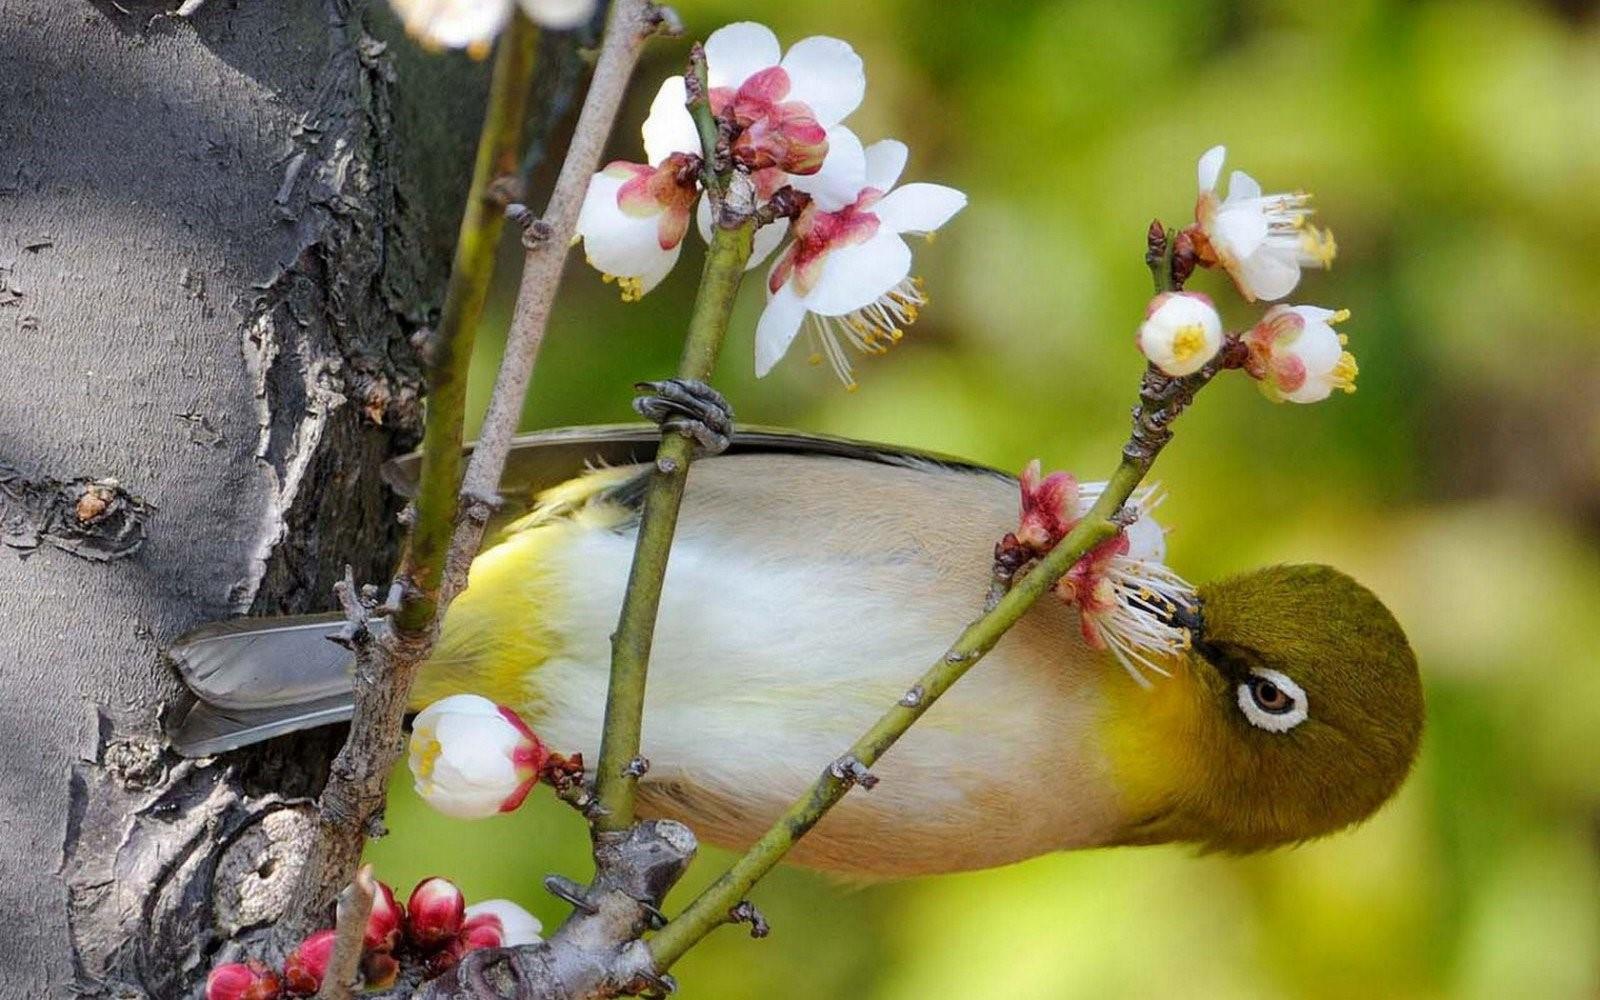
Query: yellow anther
pixel 1345 372
pixel 1339 317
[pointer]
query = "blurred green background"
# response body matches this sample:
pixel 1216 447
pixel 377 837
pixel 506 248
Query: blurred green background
pixel 1454 148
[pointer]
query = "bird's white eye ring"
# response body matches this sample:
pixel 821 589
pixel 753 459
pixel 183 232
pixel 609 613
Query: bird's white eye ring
pixel 1271 701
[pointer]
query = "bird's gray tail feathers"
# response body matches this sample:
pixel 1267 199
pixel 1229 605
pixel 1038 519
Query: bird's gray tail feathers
pixel 256 678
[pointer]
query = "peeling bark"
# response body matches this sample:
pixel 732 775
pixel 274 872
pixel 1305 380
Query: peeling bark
pixel 218 236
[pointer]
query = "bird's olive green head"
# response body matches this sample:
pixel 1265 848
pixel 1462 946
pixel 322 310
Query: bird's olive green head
pixel 1306 712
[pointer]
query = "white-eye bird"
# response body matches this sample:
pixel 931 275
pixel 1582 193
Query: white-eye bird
pixel 811 581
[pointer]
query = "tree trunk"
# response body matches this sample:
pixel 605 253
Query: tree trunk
pixel 218 236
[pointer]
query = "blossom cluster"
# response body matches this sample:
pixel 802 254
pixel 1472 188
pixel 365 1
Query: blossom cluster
pixel 845 273
pixel 434 928
pixel 1262 241
pixel 1126 596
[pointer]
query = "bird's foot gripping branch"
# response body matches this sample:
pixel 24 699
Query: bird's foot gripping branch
pixel 749 147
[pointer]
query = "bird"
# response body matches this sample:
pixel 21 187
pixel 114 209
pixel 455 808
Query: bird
pixel 811 580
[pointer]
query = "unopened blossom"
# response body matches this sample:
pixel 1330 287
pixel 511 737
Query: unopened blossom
pixel 471 758
pixel 385 922
pixel 784 112
pixel 1180 333
pixel 434 913
pixel 499 923
pixel 473 24
pixel 1298 356
pixel 250 980
pixel 848 270
pixel 306 966
pixel 1262 240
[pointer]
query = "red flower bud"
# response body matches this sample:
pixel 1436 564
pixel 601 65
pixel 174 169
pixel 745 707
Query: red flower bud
pixel 434 913
pixel 243 981
pixel 385 924
pixel 482 931
pixel 306 965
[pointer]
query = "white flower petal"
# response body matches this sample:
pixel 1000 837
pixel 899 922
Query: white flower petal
pixel 455 24
pixel 1269 273
pixel 669 128
pixel 1211 167
pixel 558 15
pixel 1317 347
pixel 885 159
pixel 619 244
pixel 766 240
pixel 737 51
pixel 1147 542
pixel 1238 230
pixel 826 74
pixel 843 172
pixel 857 276
pixel 517 925
pixel 919 208
pixel 779 325
pixel 1313 390
pixel 1242 187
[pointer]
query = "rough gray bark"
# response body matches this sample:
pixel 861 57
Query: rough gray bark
pixel 218 236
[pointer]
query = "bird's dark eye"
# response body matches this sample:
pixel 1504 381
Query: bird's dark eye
pixel 1271 701
pixel 1269 697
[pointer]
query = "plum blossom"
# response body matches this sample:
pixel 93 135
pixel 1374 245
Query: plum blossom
pixel 784 111
pixel 1297 355
pixel 848 268
pixel 304 969
pixel 473 24
pixel 1127 598
pixel 471 758
pixel 1125 594
pixel 434 913
pixel 1261 240
pixel 1181 332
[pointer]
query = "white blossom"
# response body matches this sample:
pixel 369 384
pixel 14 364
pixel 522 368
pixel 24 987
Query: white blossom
pixel 471 758
pixel 1181 332
pixel 1263 240
pixel 1298 356
pixel 473 24
pixel 848 269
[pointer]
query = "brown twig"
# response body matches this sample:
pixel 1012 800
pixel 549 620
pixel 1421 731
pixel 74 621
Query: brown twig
pixel 387 657
pixel 342 978
pixel 546 239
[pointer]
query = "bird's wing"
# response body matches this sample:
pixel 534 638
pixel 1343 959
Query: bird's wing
pixel 542 459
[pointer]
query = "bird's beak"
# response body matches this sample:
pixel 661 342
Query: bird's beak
pixel 1190 619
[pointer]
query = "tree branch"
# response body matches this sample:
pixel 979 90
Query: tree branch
pixel 387 657
pixel 546 240
pixel 342 978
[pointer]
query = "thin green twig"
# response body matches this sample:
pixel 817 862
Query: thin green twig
pixel 497 164
pixel 616 772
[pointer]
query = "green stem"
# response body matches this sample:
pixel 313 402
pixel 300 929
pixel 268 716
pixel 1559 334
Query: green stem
pixel 498 160
pixel 615 776
pixel 710 909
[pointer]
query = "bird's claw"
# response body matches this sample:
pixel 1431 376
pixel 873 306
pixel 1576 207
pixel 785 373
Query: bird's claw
pixel 689 407
pixel 568 891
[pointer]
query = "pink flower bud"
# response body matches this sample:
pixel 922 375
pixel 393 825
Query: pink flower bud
pixel 306 965
pixel 385 924
pixel 243 981
pixel 434 913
